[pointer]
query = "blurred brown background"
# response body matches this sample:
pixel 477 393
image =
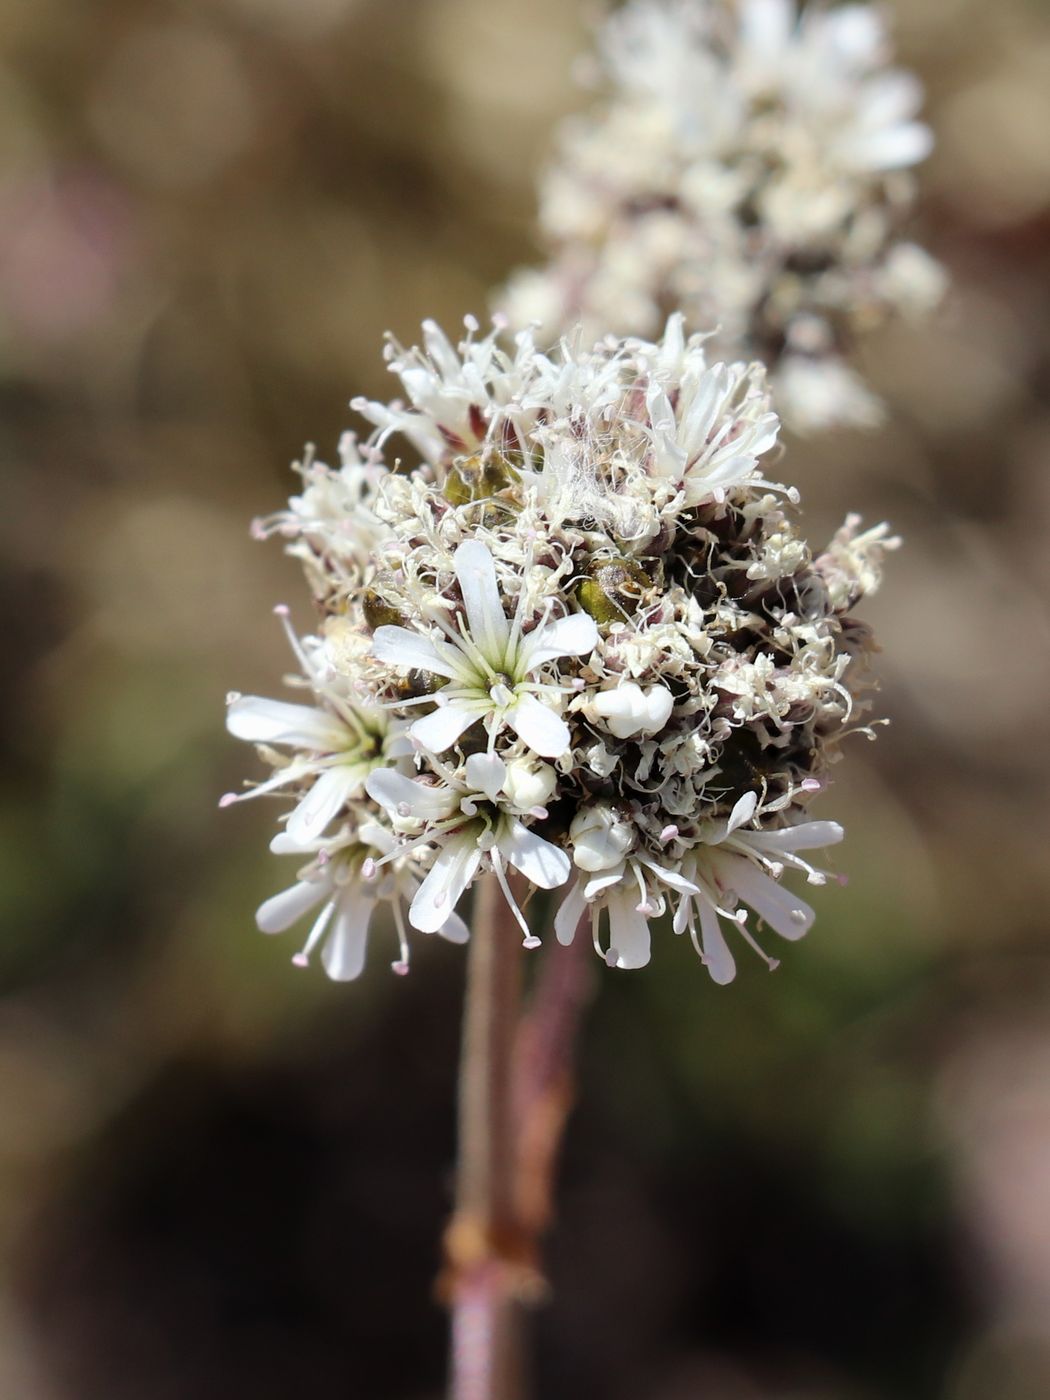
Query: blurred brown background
pixel 220 1178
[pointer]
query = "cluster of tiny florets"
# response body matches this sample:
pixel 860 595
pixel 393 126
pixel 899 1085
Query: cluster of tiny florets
pixel 750 166
pixel 572 637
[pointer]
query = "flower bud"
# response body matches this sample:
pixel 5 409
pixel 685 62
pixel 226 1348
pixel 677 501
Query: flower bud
pixel 529 785
pixel 630 710
pixel 600 839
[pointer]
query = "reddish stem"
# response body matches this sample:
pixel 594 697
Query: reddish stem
pixel 544 1075
pixel 514 1098
pixel 486 1270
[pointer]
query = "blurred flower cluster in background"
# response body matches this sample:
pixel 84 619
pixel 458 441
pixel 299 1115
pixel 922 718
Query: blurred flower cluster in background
pixel 223 1177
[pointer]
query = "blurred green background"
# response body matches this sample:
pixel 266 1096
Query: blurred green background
pixel 221 1178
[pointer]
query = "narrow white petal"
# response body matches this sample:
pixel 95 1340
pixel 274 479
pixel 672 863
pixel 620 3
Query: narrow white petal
pixel 804 837
pixel 440 729
pixel 283 845
pixel 575 635
pixel 680 922
pixel 593 888
pixel 854 34
pixel 892 96
pixel 323 802
pixel 742 812
pixel 697 413
pixel 410 651
pixel 376 836
pixel 261 721
pixel 546 865
pixel 628 932
pixel 894 147
pixel 486 772
pixel 727 470
pixel 343 954
pixel 423 801
pixel 718 959
pixel 476 572
pixel 281 911
pixel 782 910
pixel 765 27
pixel 453 870
pixel 455 930
pixel 545 732
pixel 669 877
pixel 291 773
pixel 570 912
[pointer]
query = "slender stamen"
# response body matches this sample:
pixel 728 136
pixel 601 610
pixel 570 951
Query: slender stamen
pixel 642 906
pixel 401 966
pixel 302 958
pixel 406 847
pixel 529 941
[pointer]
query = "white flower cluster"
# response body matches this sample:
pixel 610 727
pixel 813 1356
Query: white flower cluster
pixel 748 165
pixel 575 640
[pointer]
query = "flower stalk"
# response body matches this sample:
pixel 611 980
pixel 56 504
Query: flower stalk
pixel 487 1274
pixel 544 1087
pixel 515 1095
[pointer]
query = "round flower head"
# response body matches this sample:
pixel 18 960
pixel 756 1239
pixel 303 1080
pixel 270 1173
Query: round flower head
pixel 749 165
pixel 573 638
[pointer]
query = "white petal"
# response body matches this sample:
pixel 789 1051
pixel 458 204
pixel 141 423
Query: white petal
pixel 805 836
pixel 283 845
pixel 545 732
pixel 742 812
pixel 570 912
pixel 892 96
pixel 541 862
pixel 410 651
pixel 440 729
pixel 628 932
pixel 680 922
pixel 669 877
pixel 398 744
pixel 717 958
pixel 292 773
pixel 343 954
pixel 894 147
pixel 262 721
pixel 856 32
pixel 283 910
pixel 486 772
pixel 782 910
pixel 455 930
pixel 326 798
pixel 424 801
pixel 376 836
pixel 593 888
pixel 476 572
pixel 575 635
pixel 454 868
pixel 765 26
